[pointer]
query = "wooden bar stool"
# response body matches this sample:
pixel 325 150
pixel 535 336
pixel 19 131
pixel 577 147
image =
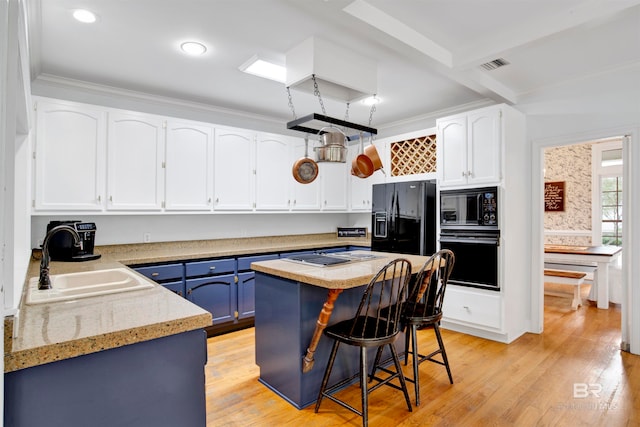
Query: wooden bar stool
pixel 423 310
pixel 376 324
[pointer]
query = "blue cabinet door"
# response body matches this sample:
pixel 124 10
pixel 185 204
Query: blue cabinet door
pixel 176 287
pixel 246 295
pixel 216 294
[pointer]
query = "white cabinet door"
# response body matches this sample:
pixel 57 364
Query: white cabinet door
pixel 484 142
pixel 473 307
pixel 135 148
pixel 335 183
pixel 189 166
pixel 69 157
pixel 273 172
pixel 234 167
pixel 451 142
pixel 469 148
pixel 305 197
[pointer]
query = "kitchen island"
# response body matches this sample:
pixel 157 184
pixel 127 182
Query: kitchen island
pixel 294 303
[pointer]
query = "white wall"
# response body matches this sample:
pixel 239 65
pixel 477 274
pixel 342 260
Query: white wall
pixel 122 229
pixel 600 106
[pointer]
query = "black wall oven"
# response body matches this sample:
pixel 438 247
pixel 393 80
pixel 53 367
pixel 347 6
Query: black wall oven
pixel 469 227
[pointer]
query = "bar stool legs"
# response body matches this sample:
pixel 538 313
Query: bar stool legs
pixel 364 380
pixel 418 358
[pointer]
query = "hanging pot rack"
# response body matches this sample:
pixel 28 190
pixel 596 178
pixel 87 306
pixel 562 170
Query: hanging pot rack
pixel 315 122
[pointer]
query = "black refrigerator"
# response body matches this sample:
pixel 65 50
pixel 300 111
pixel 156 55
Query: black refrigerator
pixel 403 217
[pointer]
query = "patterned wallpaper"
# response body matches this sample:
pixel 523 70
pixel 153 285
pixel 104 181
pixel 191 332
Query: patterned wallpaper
pixel 571 164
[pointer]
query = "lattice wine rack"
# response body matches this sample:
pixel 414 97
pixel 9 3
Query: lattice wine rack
pixel 417 155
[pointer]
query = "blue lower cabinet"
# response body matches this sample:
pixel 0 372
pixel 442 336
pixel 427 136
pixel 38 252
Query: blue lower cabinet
pixel 215 294
pixel 176 287
pixel 246 284
pixel 246 295
pixel 211 267
pixel 163 272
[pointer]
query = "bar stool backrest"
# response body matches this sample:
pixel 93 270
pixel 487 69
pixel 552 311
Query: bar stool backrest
pixel 378 315
pixel 427 294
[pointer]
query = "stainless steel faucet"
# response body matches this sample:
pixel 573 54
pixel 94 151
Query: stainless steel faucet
pixel 45 282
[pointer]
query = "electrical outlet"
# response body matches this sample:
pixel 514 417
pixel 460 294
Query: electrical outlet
pixel 146 237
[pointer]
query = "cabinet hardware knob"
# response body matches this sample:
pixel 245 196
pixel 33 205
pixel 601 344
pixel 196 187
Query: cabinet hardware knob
pixel 209 201
pixel 99 199
pixel 111 199
pixel 468 173
pixel 466 307
pixel 213 267
pixel 155 274
pixel 189 291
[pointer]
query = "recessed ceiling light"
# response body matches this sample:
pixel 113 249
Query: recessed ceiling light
pixel 85 16
pixel 193 48
pixel 261 68
pixel 371 100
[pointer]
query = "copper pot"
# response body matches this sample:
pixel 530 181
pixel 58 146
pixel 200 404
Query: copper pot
pixel 372 152
pixel 362 165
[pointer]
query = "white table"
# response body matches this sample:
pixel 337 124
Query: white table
pixel 603 256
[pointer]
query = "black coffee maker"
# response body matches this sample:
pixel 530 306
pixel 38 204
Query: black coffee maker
pixel 62 248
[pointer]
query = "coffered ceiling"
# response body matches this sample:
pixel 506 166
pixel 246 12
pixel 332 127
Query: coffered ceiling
pixel 428 53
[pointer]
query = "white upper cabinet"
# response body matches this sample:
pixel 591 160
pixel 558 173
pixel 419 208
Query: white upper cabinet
pixel 335 184
pixel 452 148
pixel 135 149
pixel 273 172
pixel 305 197
pixel 69 157
pixel 234 169
pixel 483 147
pixel 189 166
pixel 469 147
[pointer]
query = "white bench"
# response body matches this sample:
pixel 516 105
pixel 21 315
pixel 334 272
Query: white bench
pixel 590 269
pixel 563 277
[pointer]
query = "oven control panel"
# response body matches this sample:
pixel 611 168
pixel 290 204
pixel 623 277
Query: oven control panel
pixel 489 209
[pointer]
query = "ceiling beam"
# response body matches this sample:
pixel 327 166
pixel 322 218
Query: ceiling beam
pixel 442 58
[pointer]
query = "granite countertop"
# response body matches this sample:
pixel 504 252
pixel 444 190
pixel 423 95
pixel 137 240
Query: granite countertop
pixel 341 276
pixel 55 331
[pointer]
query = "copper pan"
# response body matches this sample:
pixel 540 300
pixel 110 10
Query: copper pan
pixel 372 152
pixel 362 165
pixel 305 169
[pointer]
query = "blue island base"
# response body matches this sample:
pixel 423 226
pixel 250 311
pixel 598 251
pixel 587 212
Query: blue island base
pixel 286 316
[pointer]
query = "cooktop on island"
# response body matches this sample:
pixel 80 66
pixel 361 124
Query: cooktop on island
pixel 324 260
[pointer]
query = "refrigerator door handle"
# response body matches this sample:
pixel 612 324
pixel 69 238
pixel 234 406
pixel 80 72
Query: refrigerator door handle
pixel 380 225
pixel 395 214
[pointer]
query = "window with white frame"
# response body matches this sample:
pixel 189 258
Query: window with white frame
pixel 607 200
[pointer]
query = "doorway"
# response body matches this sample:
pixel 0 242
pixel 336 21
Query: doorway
pixel 629 322
pixel 589 210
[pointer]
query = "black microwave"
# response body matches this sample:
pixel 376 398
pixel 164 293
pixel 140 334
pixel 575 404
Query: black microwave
pixel 475 208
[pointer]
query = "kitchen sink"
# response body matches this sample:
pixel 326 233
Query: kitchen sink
pixel 86 284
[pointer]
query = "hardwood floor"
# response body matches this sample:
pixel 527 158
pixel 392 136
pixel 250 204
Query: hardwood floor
pixel 572 374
